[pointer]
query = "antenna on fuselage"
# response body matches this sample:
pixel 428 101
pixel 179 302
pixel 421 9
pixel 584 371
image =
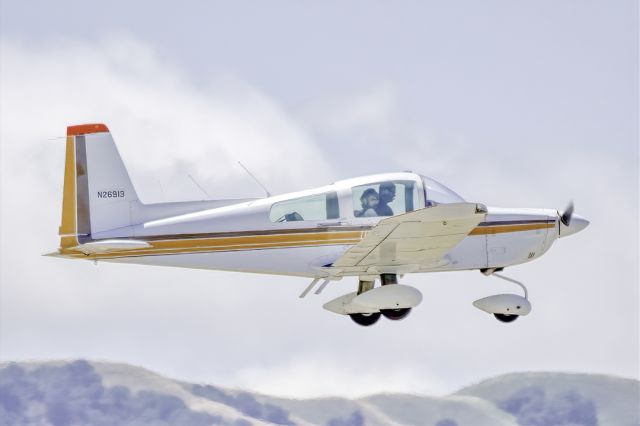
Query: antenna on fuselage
pixel 256 179
pixel 199 187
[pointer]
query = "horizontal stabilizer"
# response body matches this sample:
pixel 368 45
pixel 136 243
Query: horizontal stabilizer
pixel 106 246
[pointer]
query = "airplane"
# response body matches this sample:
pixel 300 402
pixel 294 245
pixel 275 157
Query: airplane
pixel 376 228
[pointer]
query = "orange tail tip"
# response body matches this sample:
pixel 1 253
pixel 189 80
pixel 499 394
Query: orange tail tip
pixel 83 129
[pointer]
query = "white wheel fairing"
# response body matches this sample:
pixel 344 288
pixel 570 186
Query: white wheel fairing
pixel 504 304
pixel 344 305
pixel 394 296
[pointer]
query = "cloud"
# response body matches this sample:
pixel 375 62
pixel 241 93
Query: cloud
pixel 314 376
pixel 164 126
pixel 369 110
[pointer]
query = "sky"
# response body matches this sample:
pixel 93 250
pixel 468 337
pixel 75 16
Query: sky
pixel 513 104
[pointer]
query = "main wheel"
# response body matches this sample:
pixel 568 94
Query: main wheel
pixel 395 314
pixel 505 317
pixel 365 319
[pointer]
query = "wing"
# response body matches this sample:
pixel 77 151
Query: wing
pixel 410 241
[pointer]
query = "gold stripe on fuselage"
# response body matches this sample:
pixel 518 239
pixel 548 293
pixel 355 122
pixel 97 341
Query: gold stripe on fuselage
pixel 250 242
pixel 268 241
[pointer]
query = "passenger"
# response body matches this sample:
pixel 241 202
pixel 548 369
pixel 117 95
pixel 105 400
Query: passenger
pixel 387 195
pixel 369 201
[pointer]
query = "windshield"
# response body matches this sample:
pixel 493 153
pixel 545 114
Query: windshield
pixel 438 193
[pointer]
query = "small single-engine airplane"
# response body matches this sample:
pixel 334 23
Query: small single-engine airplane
pixel 377 227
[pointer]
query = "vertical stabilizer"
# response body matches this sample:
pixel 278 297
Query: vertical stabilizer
pixel 98 194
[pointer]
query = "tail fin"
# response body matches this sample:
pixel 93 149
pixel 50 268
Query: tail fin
pixel 98 193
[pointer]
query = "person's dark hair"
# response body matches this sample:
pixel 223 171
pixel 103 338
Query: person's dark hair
pixel 388 185
pixel 367 193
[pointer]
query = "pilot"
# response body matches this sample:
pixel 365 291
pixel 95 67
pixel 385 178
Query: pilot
pixel 387 195
pixel 369 201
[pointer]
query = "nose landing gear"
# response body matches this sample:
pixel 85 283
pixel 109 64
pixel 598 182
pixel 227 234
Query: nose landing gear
pixel 505 307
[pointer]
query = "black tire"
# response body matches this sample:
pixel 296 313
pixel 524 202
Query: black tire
pixel 506 318
pixel 365 319
pixel 395 314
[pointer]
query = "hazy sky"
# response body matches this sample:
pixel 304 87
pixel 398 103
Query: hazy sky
pixel 520 104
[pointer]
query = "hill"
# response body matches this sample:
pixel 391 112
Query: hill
pixel 98 393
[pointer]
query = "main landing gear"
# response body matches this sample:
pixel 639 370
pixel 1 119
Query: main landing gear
pixel 366 305
pixel 394 314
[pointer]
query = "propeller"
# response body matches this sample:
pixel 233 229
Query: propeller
pixel 565 217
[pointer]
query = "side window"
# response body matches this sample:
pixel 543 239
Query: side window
pixel 313 207
pixel 384 198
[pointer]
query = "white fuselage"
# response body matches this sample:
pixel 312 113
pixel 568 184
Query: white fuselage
pixel 244 236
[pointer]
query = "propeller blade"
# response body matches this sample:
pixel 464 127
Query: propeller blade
pixel 565 217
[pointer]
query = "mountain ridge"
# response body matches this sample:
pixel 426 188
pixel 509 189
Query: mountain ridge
pixel 30 393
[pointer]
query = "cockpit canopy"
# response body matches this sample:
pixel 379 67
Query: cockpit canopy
pixel 367 197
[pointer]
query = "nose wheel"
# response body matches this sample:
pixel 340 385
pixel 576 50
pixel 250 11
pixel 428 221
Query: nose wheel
pixel 506 318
